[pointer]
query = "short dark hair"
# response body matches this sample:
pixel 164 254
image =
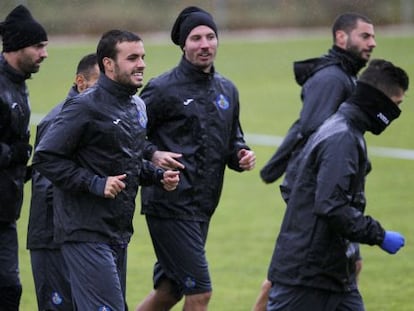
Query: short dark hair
pixel 348 22
pixel 87 64
pixel 386 77
pixel 109 40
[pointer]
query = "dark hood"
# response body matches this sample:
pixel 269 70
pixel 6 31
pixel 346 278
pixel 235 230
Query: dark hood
pixel 349 62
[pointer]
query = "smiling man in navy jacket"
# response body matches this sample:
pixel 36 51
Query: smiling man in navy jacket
pixel 92 153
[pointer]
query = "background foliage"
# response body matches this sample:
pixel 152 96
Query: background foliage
pixel 96 16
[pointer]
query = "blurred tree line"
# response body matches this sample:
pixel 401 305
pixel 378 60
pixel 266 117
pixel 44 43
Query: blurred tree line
pixel 96 16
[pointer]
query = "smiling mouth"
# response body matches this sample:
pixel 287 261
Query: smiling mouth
pixel 138 74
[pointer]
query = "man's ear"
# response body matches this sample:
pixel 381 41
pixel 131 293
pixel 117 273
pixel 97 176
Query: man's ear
pixel 341 37
pixel 80 82
pixel 108 64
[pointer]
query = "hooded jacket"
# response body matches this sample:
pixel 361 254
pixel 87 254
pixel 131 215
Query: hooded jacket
pixel 326 82
pixel 196 114
pixel 325 207
pixel 97 134
pixel 14 128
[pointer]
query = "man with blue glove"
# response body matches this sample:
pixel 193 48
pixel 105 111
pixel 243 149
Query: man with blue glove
pixel 313 262
pixel 392 242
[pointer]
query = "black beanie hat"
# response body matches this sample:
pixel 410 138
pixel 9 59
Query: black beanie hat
pixel 20 30
pixel 187 20
pixel 378 106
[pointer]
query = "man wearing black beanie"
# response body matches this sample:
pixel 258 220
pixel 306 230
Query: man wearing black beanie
pixel 313 262
pixel 187 20
pixel 193 126
pixel 24 48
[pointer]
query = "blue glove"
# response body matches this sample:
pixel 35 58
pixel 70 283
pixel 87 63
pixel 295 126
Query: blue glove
pixel 393 241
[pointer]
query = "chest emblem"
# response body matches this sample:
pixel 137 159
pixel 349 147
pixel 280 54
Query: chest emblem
pixel 142 118
pixel 222 102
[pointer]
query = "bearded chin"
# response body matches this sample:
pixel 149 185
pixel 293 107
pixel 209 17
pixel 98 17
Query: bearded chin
pixel 353 50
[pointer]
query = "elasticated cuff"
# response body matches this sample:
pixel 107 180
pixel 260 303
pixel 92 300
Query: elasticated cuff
pixel 97 186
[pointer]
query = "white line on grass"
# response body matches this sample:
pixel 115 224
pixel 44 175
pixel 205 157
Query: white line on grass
pixel 268 140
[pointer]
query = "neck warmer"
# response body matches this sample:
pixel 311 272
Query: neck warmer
pixel 378 106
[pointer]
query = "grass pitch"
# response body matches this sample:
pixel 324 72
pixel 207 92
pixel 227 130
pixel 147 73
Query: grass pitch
pixel 244 227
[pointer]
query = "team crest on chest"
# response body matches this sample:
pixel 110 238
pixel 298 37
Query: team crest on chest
pixel 222 102
pixel 142 119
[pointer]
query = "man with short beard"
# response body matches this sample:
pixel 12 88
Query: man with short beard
pixel 92 153
pixel 24 49
pixel 313 262
pixel 326 82
pixel 194 127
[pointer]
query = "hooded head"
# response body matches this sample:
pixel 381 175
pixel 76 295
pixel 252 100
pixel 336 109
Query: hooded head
pixel 187 20
pixel 379 91
pixel 20 30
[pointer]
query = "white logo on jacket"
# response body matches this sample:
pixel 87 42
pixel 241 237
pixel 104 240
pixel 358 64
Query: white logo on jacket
pixel 188 101
pixel 383 118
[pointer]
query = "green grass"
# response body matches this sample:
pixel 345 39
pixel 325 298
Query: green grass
pixel 245 225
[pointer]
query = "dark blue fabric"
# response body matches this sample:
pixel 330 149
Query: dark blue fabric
pixel 98 275
pixel 14 128
pixel 51 279
pixel 98 133
pixel 289 298
pixel 9 265
pixel 196 114
pixel 10 287
pixel 180 249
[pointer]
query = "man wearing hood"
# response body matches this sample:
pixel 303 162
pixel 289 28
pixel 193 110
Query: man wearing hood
pixel 24 49
pixel 313 263
pixel 326 82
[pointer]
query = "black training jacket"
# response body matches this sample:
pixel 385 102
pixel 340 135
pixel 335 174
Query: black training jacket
pixel 325 217
pixel 14 128
pixel 326 83
pixel 97 134
pixel 196 114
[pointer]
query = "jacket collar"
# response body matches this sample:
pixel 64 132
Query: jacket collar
pixel 349 61
pixel 11 73
pixel 361 121
pixel 73 91
pixel 117 89
pixel 194 72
